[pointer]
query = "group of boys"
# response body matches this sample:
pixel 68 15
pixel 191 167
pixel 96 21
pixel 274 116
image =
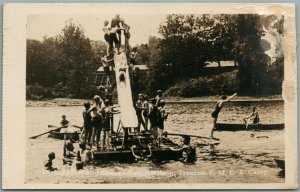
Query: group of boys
pixel 153 112
pixel 97 120
pixel 113 37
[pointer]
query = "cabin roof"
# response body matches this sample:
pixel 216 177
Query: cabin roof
pixel 223 64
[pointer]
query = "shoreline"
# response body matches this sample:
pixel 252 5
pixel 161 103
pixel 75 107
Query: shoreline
pixel 64 102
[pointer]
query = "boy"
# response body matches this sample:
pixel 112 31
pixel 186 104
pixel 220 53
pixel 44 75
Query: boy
pixel 106 67
pixel 153 118
pixel 127 36
pixel 69 148
pixel 146 111
pixel 106 31
pixel 106 114
pixel 48 163
pixel 162 116
pixel 255 116
pixel 117 23
pixel 116 27
pixel 64 122
pixel 132 56
pixel 97 126
pixel 87 122
pixel 139 109
pixel 84 155
pixel 217 110
pixel 158 97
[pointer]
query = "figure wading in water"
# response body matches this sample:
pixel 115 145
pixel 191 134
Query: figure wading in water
pixel 217 110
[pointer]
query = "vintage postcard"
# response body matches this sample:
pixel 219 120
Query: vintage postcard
pixel 149 96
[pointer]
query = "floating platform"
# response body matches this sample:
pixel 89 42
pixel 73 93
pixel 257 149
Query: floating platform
pixel 241 127
pixel 167 151
pixel 126 155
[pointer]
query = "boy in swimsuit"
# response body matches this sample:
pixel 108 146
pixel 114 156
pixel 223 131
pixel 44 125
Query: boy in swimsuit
pixel 106 67
pixel 158 97
pixel 139 109
pixel 127 36
pixel 132 56
pixel 255 116
pixel 162 116
pixel 106 120
pixel 48 164
pixel 106 31
pixel 64 122
pixel 146 111
pixel 217 110
pixel 87 123
pixel 153 118
pixel 115 36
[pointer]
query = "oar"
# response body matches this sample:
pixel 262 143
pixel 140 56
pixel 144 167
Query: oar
pixel 79 127
pixel 51 126
pixel 33 137
pixel 183 135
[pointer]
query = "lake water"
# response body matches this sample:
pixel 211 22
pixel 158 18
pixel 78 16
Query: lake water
pixel 241 158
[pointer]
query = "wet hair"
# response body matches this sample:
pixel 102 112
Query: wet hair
pixel 69 146
pixel 224 97
pixel 186 140
pixel 82 145
pixel 51 155
pixel 87 105
pixel 162 102
pixel 97 97
pixel 106 101
pixel 153 101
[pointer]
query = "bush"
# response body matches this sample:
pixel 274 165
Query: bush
pixel 203 86
pixel 37 92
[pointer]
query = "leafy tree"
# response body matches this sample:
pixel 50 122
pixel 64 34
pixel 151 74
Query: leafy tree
pixel 77 56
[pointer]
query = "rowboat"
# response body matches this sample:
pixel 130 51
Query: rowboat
pixel 69 132
pixel 240 127
pixel 59 135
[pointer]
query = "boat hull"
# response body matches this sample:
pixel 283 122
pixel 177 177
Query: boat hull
pixel 59 135
pixel 241 127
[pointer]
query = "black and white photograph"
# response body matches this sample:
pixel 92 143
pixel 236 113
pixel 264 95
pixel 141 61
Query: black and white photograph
pixel 125 97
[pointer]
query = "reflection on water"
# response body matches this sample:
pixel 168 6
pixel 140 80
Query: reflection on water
pixel 237 150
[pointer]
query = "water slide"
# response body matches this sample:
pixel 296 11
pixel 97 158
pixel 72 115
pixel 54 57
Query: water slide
pixel 128 115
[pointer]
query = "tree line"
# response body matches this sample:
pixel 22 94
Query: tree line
pixel 61 66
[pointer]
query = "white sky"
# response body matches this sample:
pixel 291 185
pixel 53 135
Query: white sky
pixel 141 26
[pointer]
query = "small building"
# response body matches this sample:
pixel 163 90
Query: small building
pixel 221 64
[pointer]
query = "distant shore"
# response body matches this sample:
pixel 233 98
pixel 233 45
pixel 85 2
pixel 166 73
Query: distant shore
pixel 206 99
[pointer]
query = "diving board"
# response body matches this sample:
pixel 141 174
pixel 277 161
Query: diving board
pixel 128 115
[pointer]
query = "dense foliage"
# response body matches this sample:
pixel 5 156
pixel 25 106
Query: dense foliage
pixel 62 66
